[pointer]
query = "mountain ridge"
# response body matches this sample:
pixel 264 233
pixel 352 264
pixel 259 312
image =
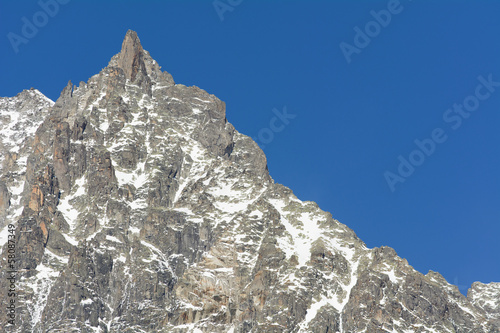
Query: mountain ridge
pixel 144 210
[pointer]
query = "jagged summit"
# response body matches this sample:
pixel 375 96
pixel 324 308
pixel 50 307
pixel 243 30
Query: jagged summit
pixel 136 65
pixel 138 208
pixel 131 43
pixel 131 56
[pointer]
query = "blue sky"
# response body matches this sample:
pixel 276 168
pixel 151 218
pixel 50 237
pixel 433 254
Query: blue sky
pixel 356 111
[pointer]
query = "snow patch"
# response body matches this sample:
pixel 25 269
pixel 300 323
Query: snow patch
pixel 113 239
pixel 303 232
pixel 69 212
pixel 41 284
pixel 86 301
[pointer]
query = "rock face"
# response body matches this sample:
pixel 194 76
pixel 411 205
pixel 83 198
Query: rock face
pixel 487 298
pixel 20 116
pixel 138 208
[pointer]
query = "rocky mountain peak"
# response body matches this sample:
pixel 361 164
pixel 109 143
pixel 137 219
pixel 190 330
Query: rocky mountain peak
pixel 137 65
pixel 139 208
pixel 131 43
pixel 131 56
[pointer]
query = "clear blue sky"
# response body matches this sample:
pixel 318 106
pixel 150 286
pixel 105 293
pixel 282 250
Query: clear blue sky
pixel 353 120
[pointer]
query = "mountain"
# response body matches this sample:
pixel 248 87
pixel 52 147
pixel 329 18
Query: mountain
pixel 20 117
pixel 132 205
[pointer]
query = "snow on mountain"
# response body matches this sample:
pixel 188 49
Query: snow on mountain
pixel 20 116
